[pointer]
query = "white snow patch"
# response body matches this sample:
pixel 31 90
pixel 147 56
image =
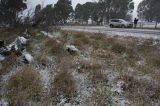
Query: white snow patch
pixel 47 34
pixel 83 87
pixel 21 40
pixel 114 32
pixel 72 47
pixel 3 103
pixel 118 87
pixel 2 58
pixel 45 76
pixel 13 44
pixel 28 56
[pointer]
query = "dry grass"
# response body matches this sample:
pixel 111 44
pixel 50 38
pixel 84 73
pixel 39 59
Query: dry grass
pixel 53 47
pixel 80 39
pixel 41 58
pixel 90 64
pixel 154 60
pixel 63 83
pixel 101 96
pixel 23 87
pixel 141 93
pixel 101 53
pixel 94 69
pixel 9 34
pixel 9 62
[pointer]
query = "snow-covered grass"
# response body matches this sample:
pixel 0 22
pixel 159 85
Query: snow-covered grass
pixel 108 70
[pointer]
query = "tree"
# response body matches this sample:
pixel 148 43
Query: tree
pixel 85 11
pixel 78 11
pixel 9 10
pixel 104 9
pixel 98 13
pixel 149 10
pixel 37 12
pixel 63 9
pixel 37 15
pixel 117 8
pixel 48 14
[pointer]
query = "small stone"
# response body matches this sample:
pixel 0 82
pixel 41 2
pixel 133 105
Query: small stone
pixel 27 57
pixel 71 49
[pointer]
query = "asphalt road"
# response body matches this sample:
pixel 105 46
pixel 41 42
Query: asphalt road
pixel 147 33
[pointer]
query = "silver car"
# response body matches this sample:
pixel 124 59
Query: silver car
pixel 120 23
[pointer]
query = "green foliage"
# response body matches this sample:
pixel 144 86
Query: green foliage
pixel 149 10
pixel 104 9
pixel 9 10
pixel 84 11
pixel 63 9
pixel 53 15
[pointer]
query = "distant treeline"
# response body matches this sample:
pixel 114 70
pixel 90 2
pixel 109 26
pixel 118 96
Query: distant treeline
pixel 62 12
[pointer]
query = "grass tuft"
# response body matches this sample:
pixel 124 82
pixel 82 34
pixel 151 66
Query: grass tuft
pixel 63 84
pixel 23 87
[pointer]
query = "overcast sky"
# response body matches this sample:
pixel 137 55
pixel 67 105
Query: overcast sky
pixel 33 3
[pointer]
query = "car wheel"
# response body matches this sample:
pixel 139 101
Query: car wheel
pixel 111 26
pixel 123 26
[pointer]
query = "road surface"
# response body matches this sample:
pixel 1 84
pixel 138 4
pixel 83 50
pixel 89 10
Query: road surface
pixel 145 33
